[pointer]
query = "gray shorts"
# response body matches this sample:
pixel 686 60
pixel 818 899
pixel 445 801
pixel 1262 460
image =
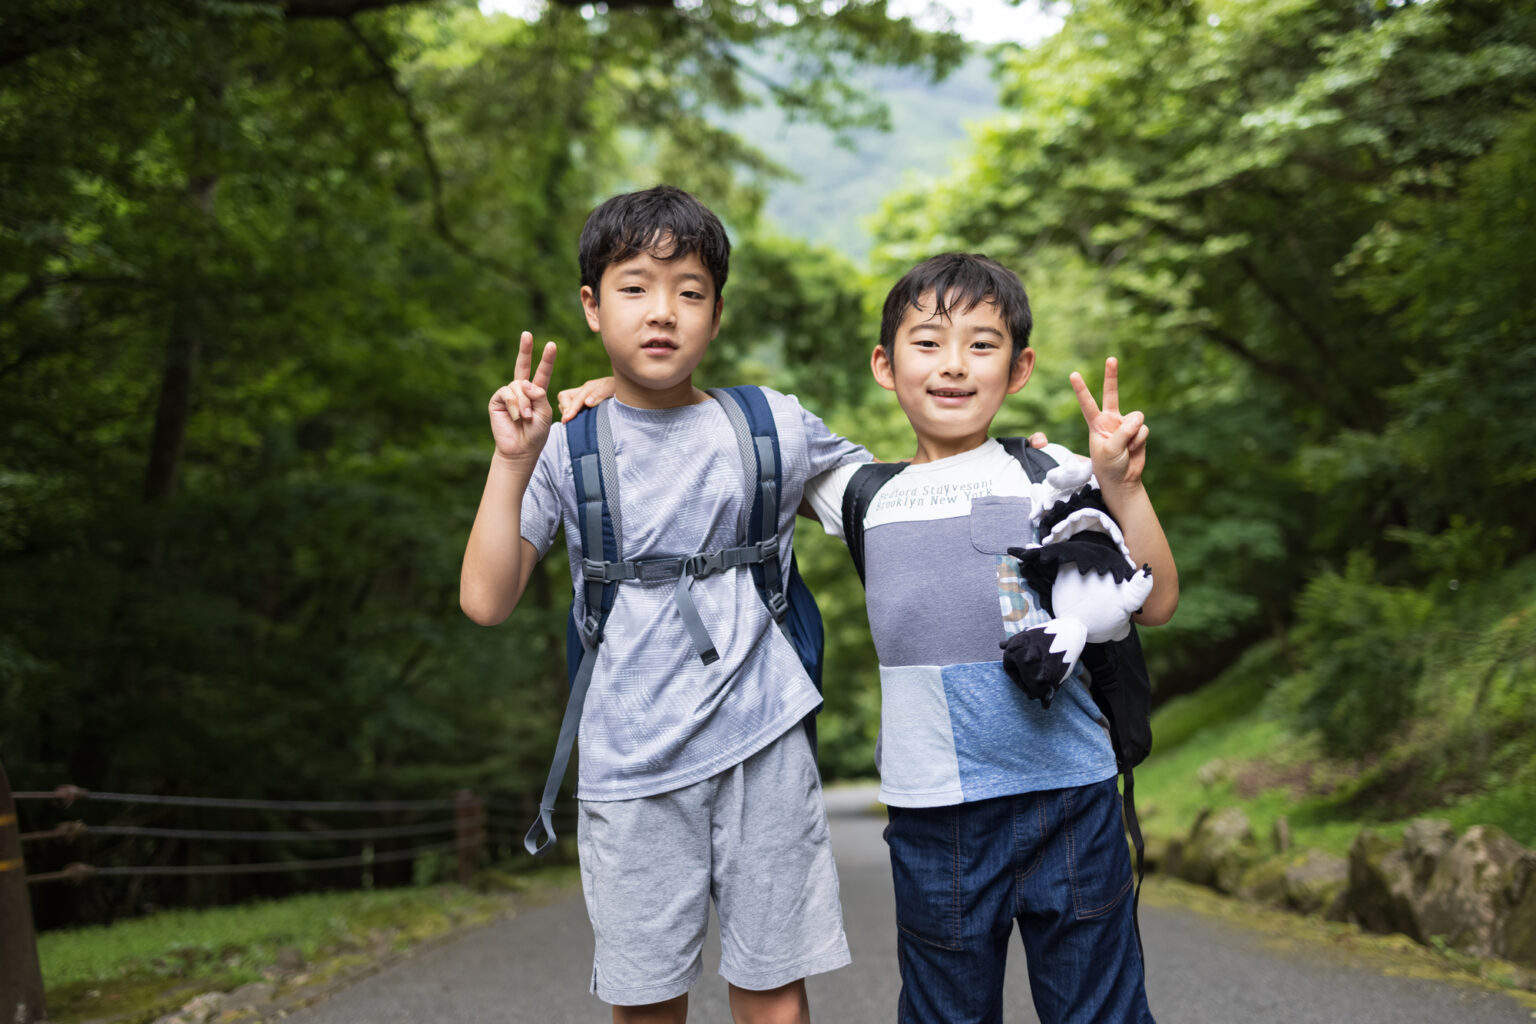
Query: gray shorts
pixel 755 836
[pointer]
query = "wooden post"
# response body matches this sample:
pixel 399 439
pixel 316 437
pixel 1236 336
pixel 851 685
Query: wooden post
pixel 469 816
pixel 21 974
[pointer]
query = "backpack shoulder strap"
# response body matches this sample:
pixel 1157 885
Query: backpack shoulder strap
pixel 590 439
pixel 757 440
pixel 1035 461
pixel 857 496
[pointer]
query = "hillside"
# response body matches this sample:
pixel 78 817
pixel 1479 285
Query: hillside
pixel 837 187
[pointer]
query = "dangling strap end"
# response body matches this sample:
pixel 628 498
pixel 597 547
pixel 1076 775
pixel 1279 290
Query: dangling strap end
pixel 710 656
pixel 544 824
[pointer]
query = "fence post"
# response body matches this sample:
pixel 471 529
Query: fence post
pixel 21 974
pixel 469 817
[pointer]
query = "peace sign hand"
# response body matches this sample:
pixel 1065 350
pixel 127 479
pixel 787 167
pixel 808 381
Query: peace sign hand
pixel 1117 444
pixel 520 411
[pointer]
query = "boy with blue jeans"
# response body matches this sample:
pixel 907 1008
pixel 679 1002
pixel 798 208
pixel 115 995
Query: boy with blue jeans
pixel 1001 808
pixel 696 779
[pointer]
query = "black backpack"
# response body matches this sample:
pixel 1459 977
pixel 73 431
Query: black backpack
pixel 1117 671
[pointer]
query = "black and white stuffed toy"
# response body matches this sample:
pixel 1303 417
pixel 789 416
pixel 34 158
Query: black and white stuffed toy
pixel 1085 578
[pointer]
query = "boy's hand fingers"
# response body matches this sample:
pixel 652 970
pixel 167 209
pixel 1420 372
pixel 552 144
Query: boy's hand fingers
pixel 524 407
pixel 1038 440
pixel 1084 398
pixel 546 368
pixel 1130 427
pixel 524 356
pixel 1111 385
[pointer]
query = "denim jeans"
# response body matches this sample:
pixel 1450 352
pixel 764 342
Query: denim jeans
pixel 1054 861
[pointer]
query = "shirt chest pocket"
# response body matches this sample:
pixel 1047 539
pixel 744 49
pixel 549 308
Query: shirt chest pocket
pixel 998 524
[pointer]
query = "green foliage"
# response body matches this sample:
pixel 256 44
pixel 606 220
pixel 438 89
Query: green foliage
pixel 1361 643
pixel 1465 749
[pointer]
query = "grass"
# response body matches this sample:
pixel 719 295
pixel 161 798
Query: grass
pixel 137 969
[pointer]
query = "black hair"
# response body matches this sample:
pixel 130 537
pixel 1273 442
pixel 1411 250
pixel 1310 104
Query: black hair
pixel 959 281
pixel 664 221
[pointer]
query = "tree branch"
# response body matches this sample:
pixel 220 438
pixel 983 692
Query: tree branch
pixel 428 155
pixel 1300 382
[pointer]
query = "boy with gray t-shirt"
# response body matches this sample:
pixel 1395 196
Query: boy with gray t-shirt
pixel 695 778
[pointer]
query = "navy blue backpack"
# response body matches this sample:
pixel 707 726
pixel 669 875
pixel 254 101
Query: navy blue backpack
pixel 603 566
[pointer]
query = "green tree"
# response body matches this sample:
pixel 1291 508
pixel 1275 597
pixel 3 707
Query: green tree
pixel 261 265
pixel 1206 187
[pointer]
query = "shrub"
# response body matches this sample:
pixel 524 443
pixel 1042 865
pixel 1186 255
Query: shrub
pixel 1362 646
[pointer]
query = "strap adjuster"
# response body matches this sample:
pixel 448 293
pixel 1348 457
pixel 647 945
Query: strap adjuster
pixel 649 570
pixel 777 605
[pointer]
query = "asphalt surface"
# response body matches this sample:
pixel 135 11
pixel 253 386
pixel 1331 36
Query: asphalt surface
pixel 534 968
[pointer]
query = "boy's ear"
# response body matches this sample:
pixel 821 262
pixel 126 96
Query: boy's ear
pixel 589 306
pixel 1022 368
pixel 880 366
pixel 719 307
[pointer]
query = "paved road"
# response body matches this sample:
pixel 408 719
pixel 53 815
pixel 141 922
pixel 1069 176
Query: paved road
pixel 533 969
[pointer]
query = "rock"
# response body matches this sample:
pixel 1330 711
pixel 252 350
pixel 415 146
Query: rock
pixel 196 1010
pixel 1425 841
pixel 1314 883
pixel 290 959
pixel 247 996
pixel 1156 854
pixel 1219 850
pixel 1520 926
pixel 1264 882
pixel 1380 894
pixel 1172 860
pixel 1475 888
pixel 1281 835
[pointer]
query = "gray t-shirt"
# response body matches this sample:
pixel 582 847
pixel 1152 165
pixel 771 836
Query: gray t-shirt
pixel 656 717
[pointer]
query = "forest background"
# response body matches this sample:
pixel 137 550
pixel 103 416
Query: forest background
pixel 262 263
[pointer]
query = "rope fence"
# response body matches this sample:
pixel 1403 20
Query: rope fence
pixel 68 795
pixel 470 826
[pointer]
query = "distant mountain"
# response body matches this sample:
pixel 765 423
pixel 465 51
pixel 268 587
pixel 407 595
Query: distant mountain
pixel 840 189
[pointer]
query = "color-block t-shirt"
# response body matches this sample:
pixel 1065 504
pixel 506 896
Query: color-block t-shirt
pixel 942 593
pixel 656 717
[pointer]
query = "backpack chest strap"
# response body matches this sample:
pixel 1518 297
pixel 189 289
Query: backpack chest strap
pixel 684 569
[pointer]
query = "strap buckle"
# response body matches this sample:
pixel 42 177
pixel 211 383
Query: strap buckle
pixel 704 564
pixel 778 606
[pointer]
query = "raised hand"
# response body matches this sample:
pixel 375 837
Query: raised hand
pixel 520 411
pixel 1117 444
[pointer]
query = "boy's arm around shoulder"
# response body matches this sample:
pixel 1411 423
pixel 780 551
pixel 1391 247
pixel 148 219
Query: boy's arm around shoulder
pixel 498 560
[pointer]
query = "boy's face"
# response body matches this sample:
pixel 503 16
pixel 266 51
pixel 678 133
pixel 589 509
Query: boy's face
pixel 657 318
pixel 951 374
